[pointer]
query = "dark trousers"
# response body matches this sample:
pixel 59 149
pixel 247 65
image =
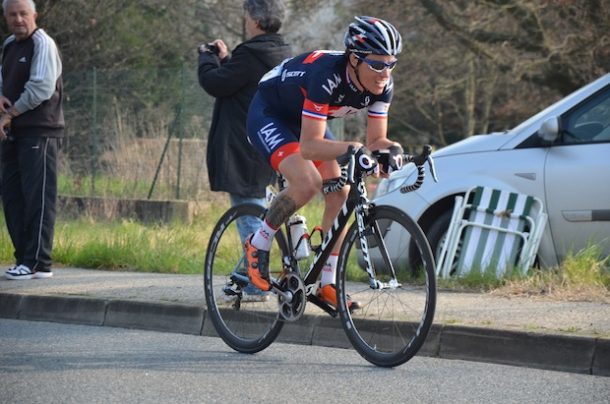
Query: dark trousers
pixel 29 194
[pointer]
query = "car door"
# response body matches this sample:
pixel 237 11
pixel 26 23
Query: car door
pixel 576 177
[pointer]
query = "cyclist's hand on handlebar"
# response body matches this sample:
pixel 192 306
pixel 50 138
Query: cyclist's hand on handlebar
pixel 390 159
pixel 366 161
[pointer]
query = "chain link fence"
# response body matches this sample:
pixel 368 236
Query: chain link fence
pixel 137 134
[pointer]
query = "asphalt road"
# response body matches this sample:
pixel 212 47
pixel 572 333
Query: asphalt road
pixel 60 363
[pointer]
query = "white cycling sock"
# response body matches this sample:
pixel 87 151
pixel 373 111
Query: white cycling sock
pixel 263 238
pixel 329 270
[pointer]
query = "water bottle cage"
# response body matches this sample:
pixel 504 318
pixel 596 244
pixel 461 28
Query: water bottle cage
pixel 317 247
pixel 303 239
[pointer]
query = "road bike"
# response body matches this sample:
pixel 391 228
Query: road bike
pixel 397 294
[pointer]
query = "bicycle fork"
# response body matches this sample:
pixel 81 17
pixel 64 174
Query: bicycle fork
pixel 374 230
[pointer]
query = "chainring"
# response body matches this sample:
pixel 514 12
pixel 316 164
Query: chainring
pixel 292 310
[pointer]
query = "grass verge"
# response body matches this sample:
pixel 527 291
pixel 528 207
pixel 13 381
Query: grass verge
pixel 180 248
pixel 583 276
pixel 130 245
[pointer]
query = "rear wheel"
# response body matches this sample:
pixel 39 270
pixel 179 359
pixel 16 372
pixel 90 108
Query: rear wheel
pixel 244 317
pixel 393 322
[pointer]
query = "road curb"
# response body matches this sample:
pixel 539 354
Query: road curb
pixel 575 354
pixel 9 305
pixel 171 317
pixel 63 309
pixel 601 358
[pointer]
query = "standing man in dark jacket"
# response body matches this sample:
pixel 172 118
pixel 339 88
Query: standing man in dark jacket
pixel 233 165
pixel 31 124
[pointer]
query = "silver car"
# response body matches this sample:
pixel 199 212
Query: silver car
pixel 560 155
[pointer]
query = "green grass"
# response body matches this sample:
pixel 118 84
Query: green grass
pixel 583 275
pixel 477 279
pixel 180 248
pixel 586 267
pixel 126 244
pixel 109 187
pixel 131 245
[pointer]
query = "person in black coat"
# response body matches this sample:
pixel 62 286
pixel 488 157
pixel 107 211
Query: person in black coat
pixel 233 165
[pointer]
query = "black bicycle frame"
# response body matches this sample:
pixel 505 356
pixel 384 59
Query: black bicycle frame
pixel 357 198
pixel 323 252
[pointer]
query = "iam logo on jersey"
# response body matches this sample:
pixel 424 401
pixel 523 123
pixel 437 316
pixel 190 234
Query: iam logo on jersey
pixel 332 83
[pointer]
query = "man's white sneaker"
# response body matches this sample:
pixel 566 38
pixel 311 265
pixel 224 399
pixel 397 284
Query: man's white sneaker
pixel 19 272
pixel 42 274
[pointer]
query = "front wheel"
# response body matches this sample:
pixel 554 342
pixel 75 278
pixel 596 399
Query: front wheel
pixel 393 321
pixel 246 318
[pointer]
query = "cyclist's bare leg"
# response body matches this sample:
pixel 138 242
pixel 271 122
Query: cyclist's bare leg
pixel 304 182
pixel 333 201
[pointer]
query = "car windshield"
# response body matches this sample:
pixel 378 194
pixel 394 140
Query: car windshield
pixel 580 93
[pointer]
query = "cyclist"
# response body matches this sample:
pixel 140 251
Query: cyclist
pixel 287 124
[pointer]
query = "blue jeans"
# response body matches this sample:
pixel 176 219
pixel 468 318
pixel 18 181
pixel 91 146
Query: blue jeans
pixel 247 225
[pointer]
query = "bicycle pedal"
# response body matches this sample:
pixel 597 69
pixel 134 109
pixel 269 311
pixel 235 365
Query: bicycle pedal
pixel 231 290
pixel 240 279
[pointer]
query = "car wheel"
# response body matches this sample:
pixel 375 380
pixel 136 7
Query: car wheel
pixel 438 232
pixel 435 235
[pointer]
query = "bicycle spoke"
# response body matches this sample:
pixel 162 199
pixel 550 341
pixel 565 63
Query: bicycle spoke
pixel 246 318
pixel 393 322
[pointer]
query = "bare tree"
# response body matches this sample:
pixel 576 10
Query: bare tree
pixel 560 45
pixel 479 66
pixel 467 67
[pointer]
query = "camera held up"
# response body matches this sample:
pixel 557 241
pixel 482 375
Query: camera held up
pixel 210 47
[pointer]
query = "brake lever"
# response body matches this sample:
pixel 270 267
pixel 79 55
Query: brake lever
pixel 432 169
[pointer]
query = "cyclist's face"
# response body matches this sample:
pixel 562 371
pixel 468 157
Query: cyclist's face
pixel 374 72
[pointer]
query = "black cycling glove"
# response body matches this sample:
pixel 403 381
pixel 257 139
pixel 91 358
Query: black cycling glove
pixel 390 159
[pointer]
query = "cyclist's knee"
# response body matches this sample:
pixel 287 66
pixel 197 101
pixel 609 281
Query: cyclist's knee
pixel 336 199
pixel 308 186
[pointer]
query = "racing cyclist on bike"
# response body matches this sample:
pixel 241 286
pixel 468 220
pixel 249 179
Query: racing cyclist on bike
pixel 287 125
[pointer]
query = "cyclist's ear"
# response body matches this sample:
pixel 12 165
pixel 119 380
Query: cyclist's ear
pixel 352 59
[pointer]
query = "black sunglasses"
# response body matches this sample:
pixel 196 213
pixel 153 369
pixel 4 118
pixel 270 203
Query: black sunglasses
pixel 378 66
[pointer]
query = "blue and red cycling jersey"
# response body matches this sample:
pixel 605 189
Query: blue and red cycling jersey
pixel 313 85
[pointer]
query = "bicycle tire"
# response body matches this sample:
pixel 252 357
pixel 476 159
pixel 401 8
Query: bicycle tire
pixel 392 323
pixel 246 326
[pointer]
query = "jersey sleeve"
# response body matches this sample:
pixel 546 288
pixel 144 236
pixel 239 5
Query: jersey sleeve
pixel 379 108
pixel 320 87
pixel 315 110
